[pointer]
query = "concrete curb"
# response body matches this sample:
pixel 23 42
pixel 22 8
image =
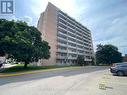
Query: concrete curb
pixel 2 75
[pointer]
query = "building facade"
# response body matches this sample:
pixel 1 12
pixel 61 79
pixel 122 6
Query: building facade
pixel 67 38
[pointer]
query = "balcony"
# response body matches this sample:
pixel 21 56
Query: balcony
pixel 63 18
pixel 63 15
pixel 61 50
pixel 61 57
pixel 79 38
pixel 70 57
pixel 71 47
pixel 72 52
pixel 72 38
pixel 61 33
pixel 71 30
pixel 88 59
pixel 80 48
pixel 80 53
pixel 71 23
pixel 61 38
pixel 59 27
pixel 61 44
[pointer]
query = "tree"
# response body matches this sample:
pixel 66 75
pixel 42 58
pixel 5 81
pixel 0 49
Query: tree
pixel 22 42
pixel 93 60
pixel 80 60
pixel 107 54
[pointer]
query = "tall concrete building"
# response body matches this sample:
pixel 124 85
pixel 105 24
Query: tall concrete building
pixel 66 37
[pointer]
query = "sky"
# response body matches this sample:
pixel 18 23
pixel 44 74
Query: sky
pixel 107 19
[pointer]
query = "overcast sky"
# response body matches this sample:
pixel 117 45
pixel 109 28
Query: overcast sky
pixel 107 19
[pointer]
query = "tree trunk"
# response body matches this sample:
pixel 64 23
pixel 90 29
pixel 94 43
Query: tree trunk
pixel 25 65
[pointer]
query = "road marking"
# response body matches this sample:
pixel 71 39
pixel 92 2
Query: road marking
pixel 102 86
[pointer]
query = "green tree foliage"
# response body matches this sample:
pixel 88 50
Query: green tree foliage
pixel 107 54
pixel 93 61
pixel 80 60
pixel 22 42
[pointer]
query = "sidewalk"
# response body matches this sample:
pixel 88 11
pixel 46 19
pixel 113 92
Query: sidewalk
pixel 9 65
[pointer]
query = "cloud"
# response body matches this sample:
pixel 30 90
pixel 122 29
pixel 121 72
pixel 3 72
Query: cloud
pixel 9 17
pixel 68 6
pixel 115 34
pixel 27 19
pixel 106 20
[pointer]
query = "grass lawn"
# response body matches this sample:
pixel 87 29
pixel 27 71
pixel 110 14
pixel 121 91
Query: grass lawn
pixel 20 68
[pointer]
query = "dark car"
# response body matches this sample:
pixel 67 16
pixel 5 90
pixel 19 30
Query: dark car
pixel 119 69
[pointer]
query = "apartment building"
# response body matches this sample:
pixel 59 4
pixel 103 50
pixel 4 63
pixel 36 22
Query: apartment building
pixel 66 37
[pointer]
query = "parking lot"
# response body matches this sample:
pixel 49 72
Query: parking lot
pixel 114 85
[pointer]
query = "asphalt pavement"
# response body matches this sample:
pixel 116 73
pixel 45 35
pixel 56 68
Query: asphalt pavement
pixel 82 81
pixel 48 74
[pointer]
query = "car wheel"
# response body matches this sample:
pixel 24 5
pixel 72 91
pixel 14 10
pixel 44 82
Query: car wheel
pixel 120 73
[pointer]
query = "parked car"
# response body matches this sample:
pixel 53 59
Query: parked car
pixel 119 69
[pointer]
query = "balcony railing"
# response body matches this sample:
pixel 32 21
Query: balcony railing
pixel 73 52
pixel 70 57
pixel 61 57
pixel 61 44
pixel 88 59
pixel 61 50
